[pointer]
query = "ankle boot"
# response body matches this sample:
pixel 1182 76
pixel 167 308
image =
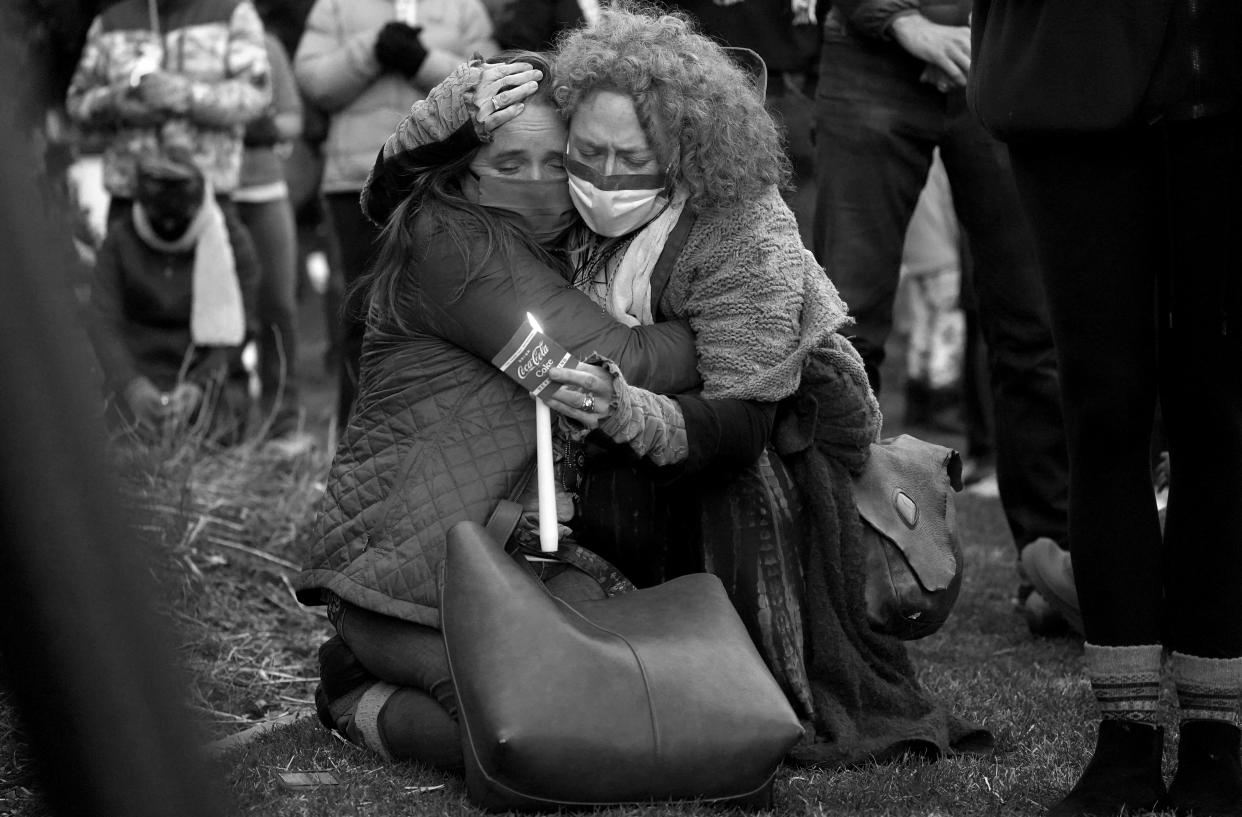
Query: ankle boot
pixel 1208 782
pixel 1124 773
pixel 341 677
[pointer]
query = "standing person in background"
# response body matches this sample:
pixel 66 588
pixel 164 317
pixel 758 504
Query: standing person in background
pixel 179 74
pixel 891 90
pixel 1124 121
pixel 264 206
pixel 532 25
pixel 365 62
pixel 783 33
pixel 931 281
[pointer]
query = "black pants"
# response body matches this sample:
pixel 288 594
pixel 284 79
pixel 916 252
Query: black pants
pixel 1138 234
pixel 355 240
pixel 876 129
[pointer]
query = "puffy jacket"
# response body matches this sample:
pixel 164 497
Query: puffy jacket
pixel 438 433
pixel 217 44
pixel 336 68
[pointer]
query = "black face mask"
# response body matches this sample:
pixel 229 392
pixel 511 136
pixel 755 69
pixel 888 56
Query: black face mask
pixel 543 205
pixel 170 204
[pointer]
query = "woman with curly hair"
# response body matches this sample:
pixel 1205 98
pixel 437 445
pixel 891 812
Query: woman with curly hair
pixel 674 162
pixel 748 476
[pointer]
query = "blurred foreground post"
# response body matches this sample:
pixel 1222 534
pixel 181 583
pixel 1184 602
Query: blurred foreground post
pixel 86 658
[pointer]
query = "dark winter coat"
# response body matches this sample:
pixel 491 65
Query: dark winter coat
pixel 1067 67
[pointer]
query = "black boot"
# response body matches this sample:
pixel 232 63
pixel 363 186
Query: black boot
pixel 340 676
pixel 1124 773
pixel 1208 782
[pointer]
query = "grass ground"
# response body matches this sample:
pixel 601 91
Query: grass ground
pixel 984 664
pixel 226 529
pixel 250 650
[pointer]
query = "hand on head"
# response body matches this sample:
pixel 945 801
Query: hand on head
pixel 502 89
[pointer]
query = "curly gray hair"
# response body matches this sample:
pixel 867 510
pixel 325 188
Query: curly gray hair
pixel 694 103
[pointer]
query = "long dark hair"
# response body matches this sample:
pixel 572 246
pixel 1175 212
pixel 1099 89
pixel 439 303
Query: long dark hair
pixel 435 205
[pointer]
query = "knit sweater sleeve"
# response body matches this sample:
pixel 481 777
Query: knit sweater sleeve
pixel 756 298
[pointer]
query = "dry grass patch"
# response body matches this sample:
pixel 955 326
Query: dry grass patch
pixel 225 530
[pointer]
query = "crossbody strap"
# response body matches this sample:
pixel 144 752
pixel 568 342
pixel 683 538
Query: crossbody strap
pixel 668 257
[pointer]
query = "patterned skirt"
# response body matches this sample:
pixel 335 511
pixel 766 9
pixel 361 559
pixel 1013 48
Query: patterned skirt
pixel 742 527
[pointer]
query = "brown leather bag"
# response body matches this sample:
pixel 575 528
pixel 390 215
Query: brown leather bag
pixel 656 694
pixel 905 498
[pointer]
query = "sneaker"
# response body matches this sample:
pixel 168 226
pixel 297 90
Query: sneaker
pixel 1049 569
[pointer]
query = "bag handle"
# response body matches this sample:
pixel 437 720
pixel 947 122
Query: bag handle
pixel 508 512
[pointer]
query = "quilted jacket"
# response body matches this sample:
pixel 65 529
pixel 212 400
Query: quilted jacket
pixel 216 44
pixel 438 433
pixel 337 70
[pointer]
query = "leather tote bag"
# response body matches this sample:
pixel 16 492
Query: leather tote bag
pixel 657 694
pixel 905 499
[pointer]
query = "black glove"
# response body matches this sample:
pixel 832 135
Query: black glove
pixel 398 48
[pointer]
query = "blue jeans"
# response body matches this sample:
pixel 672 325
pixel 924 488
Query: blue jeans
pixel 876 129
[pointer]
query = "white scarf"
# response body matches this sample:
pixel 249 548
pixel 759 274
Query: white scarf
pixel 217 314
pixel 625 291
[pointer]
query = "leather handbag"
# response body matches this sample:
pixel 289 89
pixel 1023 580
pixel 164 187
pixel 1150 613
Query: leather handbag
pixel 905 500
pixel 657 694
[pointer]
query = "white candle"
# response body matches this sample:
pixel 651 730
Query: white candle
pixel 545 473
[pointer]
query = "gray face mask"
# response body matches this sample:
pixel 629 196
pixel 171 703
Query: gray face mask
pixel 543 205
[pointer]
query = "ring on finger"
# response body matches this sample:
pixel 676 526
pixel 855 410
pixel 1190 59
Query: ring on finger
pixel 496 104
pixel 588 402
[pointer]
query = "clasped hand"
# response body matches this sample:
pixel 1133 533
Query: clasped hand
pixel 585 393
pixel 164 91
pixel 153 407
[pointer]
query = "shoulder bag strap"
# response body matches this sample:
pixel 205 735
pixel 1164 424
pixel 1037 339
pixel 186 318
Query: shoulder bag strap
pixel 668 257
pixel 507 513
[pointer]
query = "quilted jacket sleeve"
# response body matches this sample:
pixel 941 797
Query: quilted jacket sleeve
pixel 480 309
